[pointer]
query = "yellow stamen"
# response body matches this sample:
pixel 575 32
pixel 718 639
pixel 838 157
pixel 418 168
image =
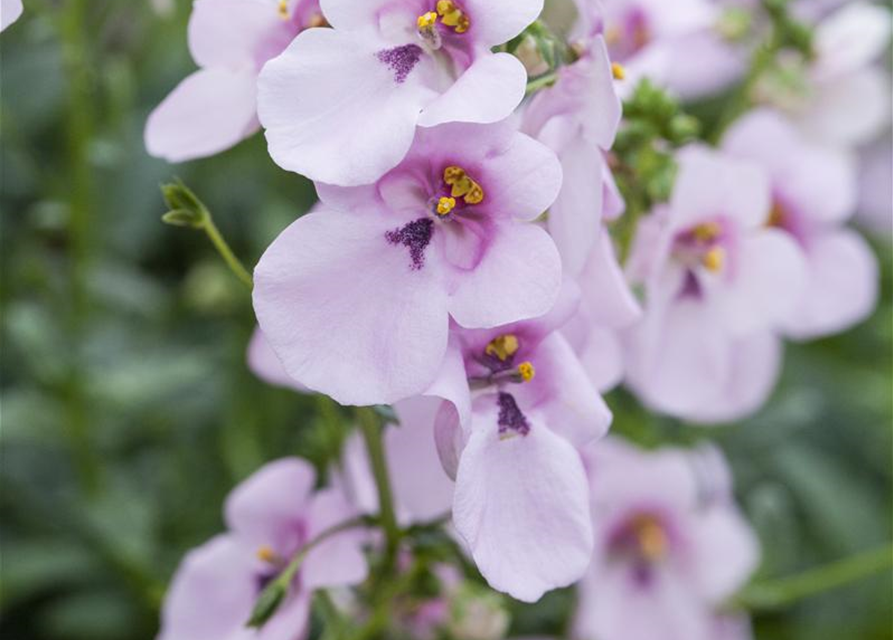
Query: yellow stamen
pixel 618 70
pixel 283 9
pixel 427 20
pixel 776 216
pixel 445 205
pixel 463 186
pixel 317 20
pixel 503 347
pixel 526 370
pixel 651 538
pixel 707 232
pixel 266 554
pixel 715 259
pixel 453 16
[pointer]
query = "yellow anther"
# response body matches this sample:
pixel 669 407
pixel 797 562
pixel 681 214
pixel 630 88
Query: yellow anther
pixel 618 70
pixel 651 538
pixel 283 9
pixel 503 347
pixel 317 20
pixel 526 370
pixel 776 216
pixel 715 259
pixel 707 232
pixel 463 186
pixel 445 205
pixel 266 554
pixel 453 16
pixel 427 20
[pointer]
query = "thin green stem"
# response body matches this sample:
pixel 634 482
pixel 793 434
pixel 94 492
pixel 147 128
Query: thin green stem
pixel 80 124
pixel 225 252
pixel 775 594
pixel 543 81
pixel 371 428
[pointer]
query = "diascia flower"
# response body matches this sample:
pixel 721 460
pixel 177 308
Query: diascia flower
pixel 356 298
pixel 670 546
pixel 520 499
pixel 814 192
pixel 270 516
pixel 10 10
pixel 216 107
pixel 719 283
pixel 341 105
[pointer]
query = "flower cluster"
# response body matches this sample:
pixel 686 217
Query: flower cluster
pixel 465 264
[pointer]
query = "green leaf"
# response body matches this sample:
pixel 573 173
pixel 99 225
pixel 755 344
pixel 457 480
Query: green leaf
pixel 183 218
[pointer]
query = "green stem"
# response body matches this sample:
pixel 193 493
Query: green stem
pixel 543 81
pixel 74 32
pixel 371 428
pixel 779 593
pixel 225 252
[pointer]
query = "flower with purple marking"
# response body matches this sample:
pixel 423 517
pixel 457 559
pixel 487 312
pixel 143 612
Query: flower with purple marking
pixel 216 107
pixel 520 500
pixel 356 298
pixel 720 284
pixel 271 516
pixel 670 545
pixel 341 105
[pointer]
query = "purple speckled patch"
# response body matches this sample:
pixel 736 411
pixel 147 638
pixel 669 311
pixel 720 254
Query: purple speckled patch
pixel 401 60
pixel 510 416
pixel 415 236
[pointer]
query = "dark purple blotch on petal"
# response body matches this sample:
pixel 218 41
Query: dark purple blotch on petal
pixel 401 60
pixel 415 236
pixel 510 416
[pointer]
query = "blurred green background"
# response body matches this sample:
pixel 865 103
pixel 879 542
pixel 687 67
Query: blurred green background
pixel 127 409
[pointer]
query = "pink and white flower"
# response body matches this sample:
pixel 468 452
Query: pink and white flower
pixel 719 284
pixel 10 11
pixel 216 107
pixel 670 546
pixel 814 193
pixel 270 517
pixel 520 499
pixel 341 105
pixel 356 298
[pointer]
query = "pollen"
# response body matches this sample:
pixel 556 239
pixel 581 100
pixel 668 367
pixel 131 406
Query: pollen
pixel 503 348
pixel 714 260
pixel 651 538
pixel 427 20
pixel 707 231
pixel 526 371
pixel 266 554
pixel 618 70
pixel 463 186
pixel 445 205
pixel 453 16
pixel 283 10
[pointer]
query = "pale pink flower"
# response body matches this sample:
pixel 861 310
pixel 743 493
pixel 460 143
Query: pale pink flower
pixel 341 105
pixel 356 299
pixel 521 499
pixel 216 107
pixel 270 517
pixel 814 193
pixel 718 284
pixel 670 545
pixel 10 11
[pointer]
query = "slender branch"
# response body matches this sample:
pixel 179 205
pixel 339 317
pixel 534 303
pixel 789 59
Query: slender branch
pixel 370 427
pixel 543 81
pixel 226 253
pixel 779 593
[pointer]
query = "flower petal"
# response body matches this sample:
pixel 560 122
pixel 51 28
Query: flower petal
pixel 335 111
pixel 234 33
pixel 339 560
pixel 265 364
pixel 519 277
pixel 521 504
pixel 348 312
pixel 487 92
pixel 10 10
pixel 209 112
pixel 495 22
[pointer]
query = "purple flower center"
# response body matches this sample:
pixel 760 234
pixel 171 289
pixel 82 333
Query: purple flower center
pixel 401 60
pixel 415 236
pixel 510 416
